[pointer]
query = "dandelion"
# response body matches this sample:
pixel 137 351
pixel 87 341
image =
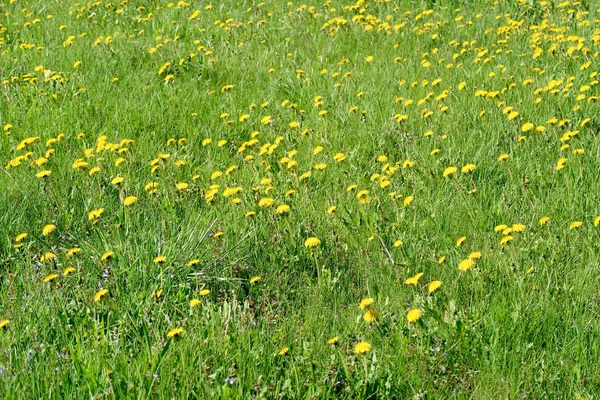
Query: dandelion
pixel 333 340
pixel 204 292
pixel 266 202
pixel 50 278
pixel 95 214
pixel 527 127
pixel 362 348
pixel 100 294
pixel 68 270
pixel 174 332
pixel 194 303
pixel 47 256
pixel 43 174
pixel 129 200
pixel 366 302
pixel 466 264
pixel 460 241
pixel 118 180
pixel 312 242
pixel 254 279
pixel 283 209
pixel 107 255
pixel 370 316
pixel 575 225
pixel 433 286
pixel 160 259
pixel 413 315
pixel 363 196
pixel 468 168
pixel 73 251
pixel 48 229
pixel 413 280
pixel 448 172
pixel 4 323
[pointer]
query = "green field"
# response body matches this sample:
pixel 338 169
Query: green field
pixel 243 199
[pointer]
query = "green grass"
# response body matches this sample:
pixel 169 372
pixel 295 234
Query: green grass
pixel 521 323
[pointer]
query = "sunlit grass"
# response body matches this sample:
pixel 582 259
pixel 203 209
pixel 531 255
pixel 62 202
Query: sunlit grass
pixel 299 200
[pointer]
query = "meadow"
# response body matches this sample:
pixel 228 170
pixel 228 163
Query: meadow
pixel 299 199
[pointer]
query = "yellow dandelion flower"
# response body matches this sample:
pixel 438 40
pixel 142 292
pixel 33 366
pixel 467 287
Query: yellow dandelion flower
pixel 68 270
pixel 448 172
pixel 48 229
pixel 362 348
pixel 527 127
pixel 413 280
pixel 160 259
pixel 73 251
pixel 204 292
pixel 100 294
pixel 47 256
pixel 266 202
pixel 544 220
pixel 312 242
pixel 117 180
pixel 3 323
pixel 518 227
pixel 95 214
pixel 43 174
pixel 370 316
pixel 433 286
pixel 50 277
pixel 468 168
pixel 254 279
pixel 174 332
pixel 575 225
pixel 129 200
pixel 460 241
pixel 333 340
pixel 107 255
pixel 366 302
pixel 282 209
pixel 466 264
pixel 413 315
pixel 194 303
pixel 284 351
